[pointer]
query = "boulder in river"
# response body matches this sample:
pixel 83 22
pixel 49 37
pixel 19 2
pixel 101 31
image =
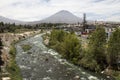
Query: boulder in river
pixel 77 77
pixel 46 59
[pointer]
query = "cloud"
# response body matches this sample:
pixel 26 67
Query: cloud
pixel 98 0
pixel 30 10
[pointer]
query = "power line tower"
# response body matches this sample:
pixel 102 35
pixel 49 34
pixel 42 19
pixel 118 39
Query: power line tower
pixel 84 22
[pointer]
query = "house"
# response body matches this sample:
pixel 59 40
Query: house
pixel 109 31
pixel 90 28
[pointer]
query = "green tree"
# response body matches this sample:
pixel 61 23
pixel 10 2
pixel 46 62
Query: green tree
pixel 57 36
pixel 71 47
pixel 97 46
pixel 1 46
pixel 114 48
pixel 66 44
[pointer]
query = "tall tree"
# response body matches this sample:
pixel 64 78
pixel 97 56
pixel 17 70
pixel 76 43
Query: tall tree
pixel 1 61
pixel 1 44
pixel 71 47
pixel 114 48
pixel 97 45
pixel 66 43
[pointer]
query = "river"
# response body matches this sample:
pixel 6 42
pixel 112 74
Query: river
pixel 42 63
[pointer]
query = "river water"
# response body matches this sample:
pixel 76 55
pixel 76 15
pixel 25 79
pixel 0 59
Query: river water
pixel 42 63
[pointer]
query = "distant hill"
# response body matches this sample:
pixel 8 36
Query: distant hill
pixel 60 17
pixel 7 20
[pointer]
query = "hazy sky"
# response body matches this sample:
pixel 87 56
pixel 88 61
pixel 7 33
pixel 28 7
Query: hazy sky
pixel 30 10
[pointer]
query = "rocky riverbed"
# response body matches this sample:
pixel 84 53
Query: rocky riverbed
pixel 7 39
pixel 42 63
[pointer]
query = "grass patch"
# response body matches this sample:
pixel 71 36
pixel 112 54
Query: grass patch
pixel 12 67
pixel 116 74
pixel 26 47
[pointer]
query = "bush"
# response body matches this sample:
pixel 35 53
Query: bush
pixel 67 44
pixel 26 47
pixel 12 67
pixel 12 51
pixel 90 64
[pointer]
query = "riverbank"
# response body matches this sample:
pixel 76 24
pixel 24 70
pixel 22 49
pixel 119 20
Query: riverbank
pixel 10 70
pixel 12 67
pixel 44 63
pixel 56 45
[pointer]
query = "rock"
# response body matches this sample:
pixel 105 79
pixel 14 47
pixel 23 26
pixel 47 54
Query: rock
pixel 46 42
pixel 46 59
pixel 102 72
pixel 108 76
pixel 6 78
pixel 29 52
pixel 46 78
pixel 92 78
pixel 77 77
pixel 50 70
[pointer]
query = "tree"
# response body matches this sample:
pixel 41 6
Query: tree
pixel 66 44
pixel 1 24
pixel 97 46
pixel 57 36
pixel 1 45
pixel 114 48
pixel 71 47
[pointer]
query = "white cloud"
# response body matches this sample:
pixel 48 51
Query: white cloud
pixel 30 10
pixel 113 18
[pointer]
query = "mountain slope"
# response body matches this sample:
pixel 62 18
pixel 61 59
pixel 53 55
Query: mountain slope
pixel 61 17
pixel 7 20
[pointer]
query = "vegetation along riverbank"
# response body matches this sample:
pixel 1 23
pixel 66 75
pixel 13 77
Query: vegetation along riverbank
pixel 10 70
pixel 101 54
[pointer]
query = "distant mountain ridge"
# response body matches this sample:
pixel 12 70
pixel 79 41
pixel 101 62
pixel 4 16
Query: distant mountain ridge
pixel 7 20
pixel 60 17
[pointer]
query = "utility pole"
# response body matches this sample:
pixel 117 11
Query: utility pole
pixel 84 22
